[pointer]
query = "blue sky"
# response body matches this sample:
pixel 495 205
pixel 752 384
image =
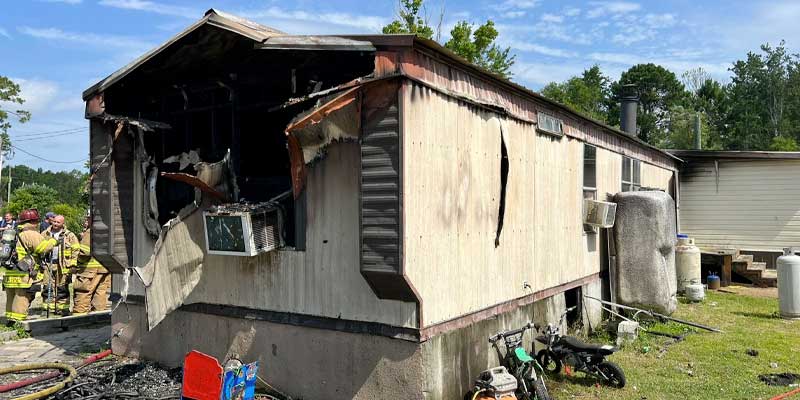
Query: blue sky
pixel 57 48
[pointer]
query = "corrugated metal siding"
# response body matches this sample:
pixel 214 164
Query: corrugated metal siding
pixel 452 185
pixel 108 223
pixel 752 205
pixel 380 193
pixel 323 280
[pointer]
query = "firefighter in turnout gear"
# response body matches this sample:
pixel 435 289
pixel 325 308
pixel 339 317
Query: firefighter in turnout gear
pixel 63 259
pixel 92 281
pixel 24 279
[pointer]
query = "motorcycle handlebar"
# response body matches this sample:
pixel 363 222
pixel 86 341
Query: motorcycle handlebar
pixel 512 332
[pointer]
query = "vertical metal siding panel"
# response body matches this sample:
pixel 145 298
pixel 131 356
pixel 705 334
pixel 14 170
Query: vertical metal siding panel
pixel 755 208
pixel 380 193
pixel 122 198
pixel 323 280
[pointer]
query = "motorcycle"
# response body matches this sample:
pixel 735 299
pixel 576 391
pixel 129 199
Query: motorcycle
pixel 584 357
pixel 520 364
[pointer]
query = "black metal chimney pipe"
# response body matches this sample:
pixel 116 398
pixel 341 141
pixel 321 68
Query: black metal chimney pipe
pixel 629 103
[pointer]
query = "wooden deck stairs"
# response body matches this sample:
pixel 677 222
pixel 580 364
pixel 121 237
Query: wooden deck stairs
pixel 756 272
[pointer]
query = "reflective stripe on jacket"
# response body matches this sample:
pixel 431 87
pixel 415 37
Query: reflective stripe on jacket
pixel 85 259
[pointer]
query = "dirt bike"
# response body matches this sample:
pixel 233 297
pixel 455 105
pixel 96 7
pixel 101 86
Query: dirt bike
pixel 529 374
pixel 584 357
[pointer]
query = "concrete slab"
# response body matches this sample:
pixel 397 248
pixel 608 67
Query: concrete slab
pixel 38 327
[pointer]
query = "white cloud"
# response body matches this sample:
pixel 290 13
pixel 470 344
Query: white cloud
pixel 64 1
pixel 572 12
pixel 4 33
pixel 675 64
pixel 659 21
pixel 83 38
pixel 513 14
pixel 361 22
pixel 154 7
pixel 38 94
pixel 517 4
pixel 537 48
pixel 605 8
pixel 546 17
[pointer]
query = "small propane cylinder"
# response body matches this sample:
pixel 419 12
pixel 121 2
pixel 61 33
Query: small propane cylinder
pixel 789 284
pixel 695 292
pixel 713 282
pixel 687 262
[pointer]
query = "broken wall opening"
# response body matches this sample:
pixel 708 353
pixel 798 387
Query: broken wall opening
pixel 222 95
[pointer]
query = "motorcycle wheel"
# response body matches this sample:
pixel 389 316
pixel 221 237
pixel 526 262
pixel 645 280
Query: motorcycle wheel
pixel 540 389
pixel 549 362
pixel 614 375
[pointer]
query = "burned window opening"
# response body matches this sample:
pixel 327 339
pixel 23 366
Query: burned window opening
pixel 240 102
pixel 504 165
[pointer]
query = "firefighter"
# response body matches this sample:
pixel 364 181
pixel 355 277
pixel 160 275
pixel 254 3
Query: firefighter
pixel 91 281
pixel 24 279
pixel 63 259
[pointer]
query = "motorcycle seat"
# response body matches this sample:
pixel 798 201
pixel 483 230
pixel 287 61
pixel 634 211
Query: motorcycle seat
pixel 578 345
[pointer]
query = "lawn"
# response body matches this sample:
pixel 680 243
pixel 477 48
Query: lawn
pixel 705 365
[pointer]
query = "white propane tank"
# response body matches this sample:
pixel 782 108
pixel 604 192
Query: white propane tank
pixel 695 292
pixel 687 262
pixel 789 284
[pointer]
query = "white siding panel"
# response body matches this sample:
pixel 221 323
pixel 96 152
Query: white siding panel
pixel 751 205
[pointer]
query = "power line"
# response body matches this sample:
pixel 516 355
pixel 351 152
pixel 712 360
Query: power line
pixel 26 134
pixel 48 160
pixel 48 136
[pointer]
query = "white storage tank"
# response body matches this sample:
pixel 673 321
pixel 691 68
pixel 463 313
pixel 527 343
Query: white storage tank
pixel 789 284
pixel 687 263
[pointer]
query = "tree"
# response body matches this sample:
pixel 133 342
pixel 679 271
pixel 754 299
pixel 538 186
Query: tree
pixel 73 216
pixel 783 143
pixel 410 20
pixel 761 95
pixel 476 45
pixel 681 130
pixel 587 93
pixel 39 197
pixel 10 94
pixel 659 90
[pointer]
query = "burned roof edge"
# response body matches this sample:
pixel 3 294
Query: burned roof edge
pixel 219 19
pixel 410 40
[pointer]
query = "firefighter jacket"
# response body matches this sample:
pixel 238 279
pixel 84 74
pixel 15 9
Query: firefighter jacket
pixel 85 259
pixel 29 241
pixel 68 249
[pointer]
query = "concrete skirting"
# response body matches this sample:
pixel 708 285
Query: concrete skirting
pixel 46 326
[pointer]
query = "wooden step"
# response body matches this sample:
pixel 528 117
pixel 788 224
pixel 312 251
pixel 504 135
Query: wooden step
pixel 748 258
pixel 758 266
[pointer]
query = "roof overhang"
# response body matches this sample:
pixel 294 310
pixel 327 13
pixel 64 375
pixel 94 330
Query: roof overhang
pixel 690 155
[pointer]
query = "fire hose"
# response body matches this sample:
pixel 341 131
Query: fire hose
pixel 53 389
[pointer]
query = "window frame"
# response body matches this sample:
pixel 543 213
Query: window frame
pixel 540 116
pixel 634 178
pixel 588 192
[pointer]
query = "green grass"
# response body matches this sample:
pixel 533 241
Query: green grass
pixel 720 365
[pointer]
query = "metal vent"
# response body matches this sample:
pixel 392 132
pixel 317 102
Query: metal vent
pixel 266 230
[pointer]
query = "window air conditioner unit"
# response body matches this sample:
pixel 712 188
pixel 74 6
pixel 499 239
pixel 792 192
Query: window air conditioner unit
pixel 599 213
pixel 243 230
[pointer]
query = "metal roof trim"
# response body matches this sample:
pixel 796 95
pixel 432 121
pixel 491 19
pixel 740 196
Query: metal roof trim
pixel 314 42
pixel 735 155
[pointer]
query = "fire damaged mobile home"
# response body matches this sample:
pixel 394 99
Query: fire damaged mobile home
pixel 358 212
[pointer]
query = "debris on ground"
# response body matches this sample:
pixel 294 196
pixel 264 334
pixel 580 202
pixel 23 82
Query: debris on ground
pixel 752 352
pixel 782 379
pixel 773 365
pixel 117 379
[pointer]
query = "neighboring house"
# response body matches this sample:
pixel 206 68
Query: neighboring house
pixel 427 204
pixel 745 201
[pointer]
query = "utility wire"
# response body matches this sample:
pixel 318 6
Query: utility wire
pixel 48 160
pixel 26 134
pixel 48 136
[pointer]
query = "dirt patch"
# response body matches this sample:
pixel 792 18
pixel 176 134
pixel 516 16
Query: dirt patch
pixel 748 290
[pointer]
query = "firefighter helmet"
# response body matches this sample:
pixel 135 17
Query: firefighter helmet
pixel 29 215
